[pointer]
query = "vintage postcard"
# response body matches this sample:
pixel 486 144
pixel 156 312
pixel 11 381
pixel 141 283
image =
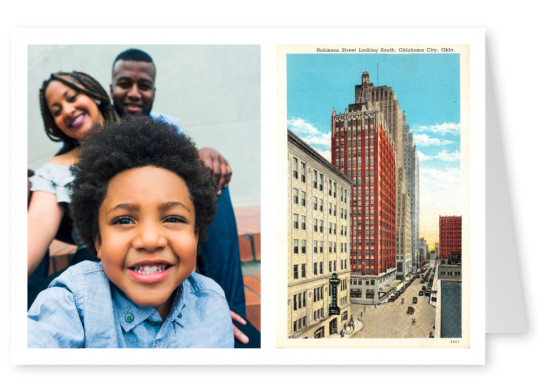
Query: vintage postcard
pixel 378 183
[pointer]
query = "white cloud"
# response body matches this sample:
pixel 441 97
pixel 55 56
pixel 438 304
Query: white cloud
pixel 423 140
pixel 440 187
pixel 325 154
pixel 423 157
pixel 445 128
pixel 310 134
pixel 442 155
pixel 440 194
pixel 448 157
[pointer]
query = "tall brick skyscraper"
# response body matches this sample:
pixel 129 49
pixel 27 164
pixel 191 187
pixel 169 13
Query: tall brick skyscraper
pixel 367 144
pixel 384 100
pixel 362 149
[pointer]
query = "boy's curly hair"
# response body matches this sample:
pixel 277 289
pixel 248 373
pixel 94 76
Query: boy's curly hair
pixel 134 142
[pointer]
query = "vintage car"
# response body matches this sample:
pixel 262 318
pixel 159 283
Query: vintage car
pixel 414 300
pixel 411 310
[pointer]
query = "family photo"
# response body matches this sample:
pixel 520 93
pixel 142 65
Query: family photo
pixel 143 196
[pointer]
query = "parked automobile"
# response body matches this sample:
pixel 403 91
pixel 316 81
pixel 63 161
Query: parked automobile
pixel 414 300
pixel 421 293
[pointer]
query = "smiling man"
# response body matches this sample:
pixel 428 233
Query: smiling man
pixel 133 85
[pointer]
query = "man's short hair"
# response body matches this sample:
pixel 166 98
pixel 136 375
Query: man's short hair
pixel 134 55
pixel 137 141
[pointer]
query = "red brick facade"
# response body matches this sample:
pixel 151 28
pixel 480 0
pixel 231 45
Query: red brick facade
pixel 361 149
pixel 450 235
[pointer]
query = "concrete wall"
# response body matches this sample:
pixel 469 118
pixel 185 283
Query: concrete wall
pixel 213 90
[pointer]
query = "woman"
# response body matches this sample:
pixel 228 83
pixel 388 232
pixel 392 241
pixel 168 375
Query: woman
pixel 72 104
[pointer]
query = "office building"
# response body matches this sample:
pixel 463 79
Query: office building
pixel 362 149
pixel 318 243
pixel 449 236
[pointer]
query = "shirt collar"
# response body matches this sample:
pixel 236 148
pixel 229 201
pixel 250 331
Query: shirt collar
pixel 130 314
pixel 177 312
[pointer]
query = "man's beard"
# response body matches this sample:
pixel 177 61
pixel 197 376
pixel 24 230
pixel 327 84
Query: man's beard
pixel 119 108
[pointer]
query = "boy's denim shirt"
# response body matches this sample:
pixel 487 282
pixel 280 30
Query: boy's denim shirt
pixel 82 309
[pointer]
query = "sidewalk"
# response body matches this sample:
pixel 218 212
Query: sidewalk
pixel 358 325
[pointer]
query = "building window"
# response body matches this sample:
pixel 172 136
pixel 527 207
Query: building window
pixel 303 222
pixel 303 172
pixel 295 221
pixel 303 270
pixel 315 179
pixel 295 196
pixel 302 198
pixel 303 246
pixel 295 168
pixel 295 272
pixel 295 246
pixel 321 181
pixel 315 203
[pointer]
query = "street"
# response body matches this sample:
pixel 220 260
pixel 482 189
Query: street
pixel 392 321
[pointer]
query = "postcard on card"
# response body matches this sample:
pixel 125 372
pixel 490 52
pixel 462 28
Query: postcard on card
pixel 378 220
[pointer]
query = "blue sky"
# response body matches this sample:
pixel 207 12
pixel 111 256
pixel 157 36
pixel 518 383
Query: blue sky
pixel 428 89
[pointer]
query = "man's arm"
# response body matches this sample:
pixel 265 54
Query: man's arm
pixel 218 165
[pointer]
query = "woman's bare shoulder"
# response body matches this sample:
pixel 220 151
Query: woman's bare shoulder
pixel 67 159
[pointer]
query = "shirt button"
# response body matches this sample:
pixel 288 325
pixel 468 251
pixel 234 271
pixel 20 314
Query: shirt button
pixel 129 318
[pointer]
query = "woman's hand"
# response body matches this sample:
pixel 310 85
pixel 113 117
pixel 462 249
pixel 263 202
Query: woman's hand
pixel 43 218
pixel 238 334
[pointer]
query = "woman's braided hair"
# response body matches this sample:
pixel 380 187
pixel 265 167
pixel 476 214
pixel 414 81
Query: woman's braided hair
pixel 85 84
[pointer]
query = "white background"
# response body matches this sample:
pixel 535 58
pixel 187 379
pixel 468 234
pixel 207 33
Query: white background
pixel 517 61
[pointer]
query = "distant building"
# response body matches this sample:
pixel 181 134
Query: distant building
pixel 423 251
pixel 450 235
pixel 411 168
pixel 449 270
pixel 318 243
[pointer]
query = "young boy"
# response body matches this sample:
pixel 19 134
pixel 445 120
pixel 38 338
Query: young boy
pixel 141 205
